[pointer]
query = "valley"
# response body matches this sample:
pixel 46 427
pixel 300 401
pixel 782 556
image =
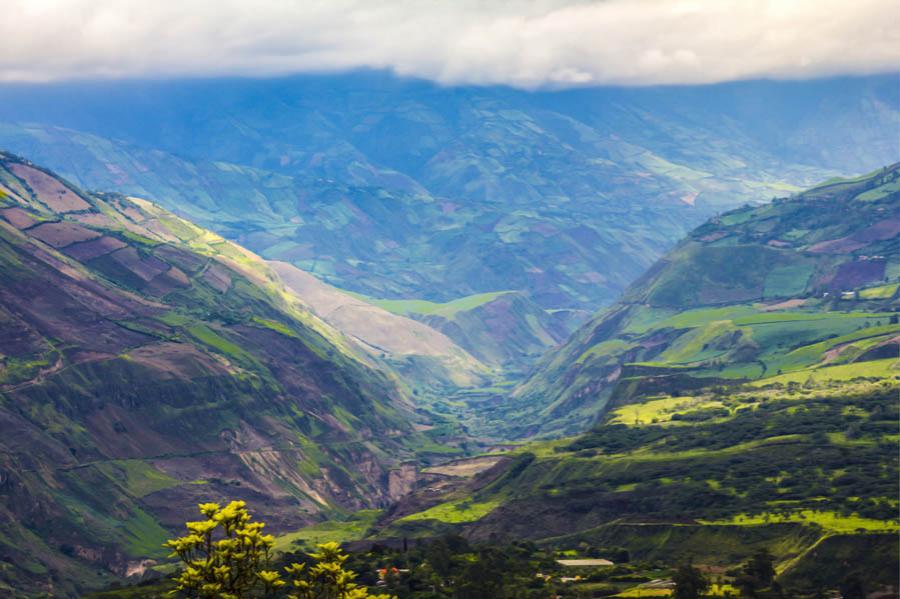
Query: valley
pixel 447 357
pixel 398 188
pixel 764 419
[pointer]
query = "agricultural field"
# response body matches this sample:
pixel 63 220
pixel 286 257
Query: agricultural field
pixel 744 399
pixel 799 289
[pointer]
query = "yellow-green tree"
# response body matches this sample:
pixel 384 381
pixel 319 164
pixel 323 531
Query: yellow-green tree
pixel 227 556
pixel 327 578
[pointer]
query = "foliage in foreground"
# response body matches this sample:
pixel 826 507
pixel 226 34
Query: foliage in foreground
pixel 226 556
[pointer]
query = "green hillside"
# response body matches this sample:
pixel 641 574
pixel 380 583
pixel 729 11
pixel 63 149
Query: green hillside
pixel 738 409
pixel 146 363
pixel 788 291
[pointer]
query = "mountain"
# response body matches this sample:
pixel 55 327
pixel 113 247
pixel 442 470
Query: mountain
pixel 504 329
pixel 421 353
pixel 746 388
pixel 147 364
pixel 795 288
pixel 398 188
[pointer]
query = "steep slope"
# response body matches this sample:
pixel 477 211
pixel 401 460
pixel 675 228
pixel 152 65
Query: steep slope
pixel 399 188
pixel 504 329
pixel 747 388
pixel 791 288
pixel 421 353
pixel 147 364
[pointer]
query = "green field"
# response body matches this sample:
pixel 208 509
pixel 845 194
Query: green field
pixel 410 307
pixel 334 530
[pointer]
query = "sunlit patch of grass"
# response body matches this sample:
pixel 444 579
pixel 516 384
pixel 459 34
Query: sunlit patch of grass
pixel 455 512
pixel 210 338
pixel 276 326
pixel 887 368
pixel 447 310
pixel 881 292
pixel 337 531
pixel 137 476
pixel 830 521
pixel 660 411
pixel 644 592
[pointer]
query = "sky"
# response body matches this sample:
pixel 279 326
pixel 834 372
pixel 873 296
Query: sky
pixel 527 44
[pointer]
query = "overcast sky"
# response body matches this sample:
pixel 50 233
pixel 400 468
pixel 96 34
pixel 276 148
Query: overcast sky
pixel 522 43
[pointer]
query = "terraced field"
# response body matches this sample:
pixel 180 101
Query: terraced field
pixel 706 314
pixel 145 364
pixel 727 421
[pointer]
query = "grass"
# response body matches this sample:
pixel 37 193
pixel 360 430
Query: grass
pixel 879 192
pixel 331 530
pixel 140 478
pixel 455 512
pixel 881 292
pixel 276 326
pixel 810 354
pixel 411 307
pixel 830 521
pixel 659 410
pixel 210 338
pixel 174 318
pixel 787 281
pixel 690 346
pixel 144 536
pixel 887 368
pixel 602 348
pixel 644 592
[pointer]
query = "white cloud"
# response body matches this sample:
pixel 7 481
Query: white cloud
pixel 517 42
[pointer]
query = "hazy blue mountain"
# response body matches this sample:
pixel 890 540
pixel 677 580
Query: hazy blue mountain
pixel 401 188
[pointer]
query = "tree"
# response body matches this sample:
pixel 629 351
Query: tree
pixel 689 582
pixel 226 556
pixel 853 587
pixel 483 577
pixel 327 578
pixel 761 567
pixel 439 557
pixel 758 576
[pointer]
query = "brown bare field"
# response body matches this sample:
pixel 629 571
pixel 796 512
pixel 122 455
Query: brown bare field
pixel 785 305
pixel 851 275
pixel 372 325
pixel 465 468
pixel 217 277
pixel 584 562
pixel 145 268
pixel 176 360
pixel 95 219
pixel 168 281
pixel 18 217
pixel 50 191
pixel 59 235
pixel 88 250
pixel 880 231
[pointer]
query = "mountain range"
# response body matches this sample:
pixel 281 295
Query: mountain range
pixel 605 318
pixel 403 189
pixel 745 398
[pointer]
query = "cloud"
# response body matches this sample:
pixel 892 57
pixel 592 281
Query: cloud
pixel 524 43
